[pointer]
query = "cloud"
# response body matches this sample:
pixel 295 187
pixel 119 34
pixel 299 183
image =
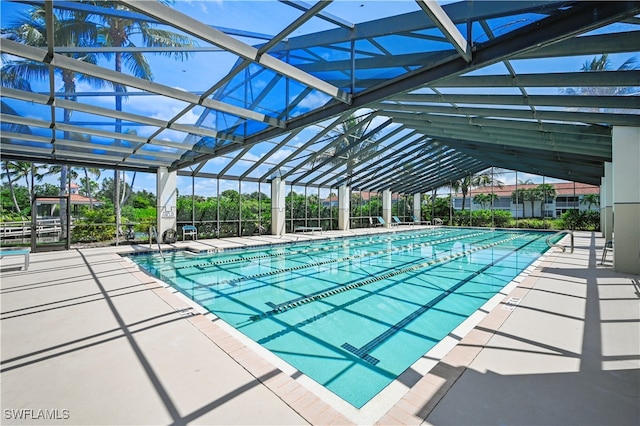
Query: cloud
pixel 313 101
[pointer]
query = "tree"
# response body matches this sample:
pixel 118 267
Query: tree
pixel 485 199
pixel 590 199
pixel 599 64
pixel 115 31
pixel 87 184
pixel 547 192
pixel 532 195
pixel 70 28
pixel 8 175
pixel 481 179
pixel 352 145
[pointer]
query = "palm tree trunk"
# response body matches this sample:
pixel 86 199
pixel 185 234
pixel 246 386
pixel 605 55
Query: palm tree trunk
pixel 126 194
pixel 118 129
pixel 86 180
pixel 11 190
pixel 116 200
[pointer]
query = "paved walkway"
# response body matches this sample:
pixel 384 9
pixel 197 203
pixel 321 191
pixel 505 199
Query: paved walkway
pixel 88 339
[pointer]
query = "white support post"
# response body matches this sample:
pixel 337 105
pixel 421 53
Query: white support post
pixel 278 214
pixel 608 201
pixel 603 185
pixel 344 207
pixel 166 195
pixel 626 199
pixel 386 207
pixel 417 207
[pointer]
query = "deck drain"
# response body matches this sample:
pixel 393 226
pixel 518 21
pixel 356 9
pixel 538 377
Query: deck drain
pixel 186 312
pixel 511 304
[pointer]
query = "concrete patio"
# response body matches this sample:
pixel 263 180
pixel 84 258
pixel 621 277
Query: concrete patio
pixel 89 339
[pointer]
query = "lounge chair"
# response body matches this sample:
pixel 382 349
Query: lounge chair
pixel 311 229
pixel 397 221
pixel 420 222
pixel 437 221
pixel 381 221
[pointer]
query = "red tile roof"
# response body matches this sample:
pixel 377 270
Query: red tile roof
pixel 562 189
pixel 74 198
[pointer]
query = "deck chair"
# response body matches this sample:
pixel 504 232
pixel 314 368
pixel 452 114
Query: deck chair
pixel 189 230
pixel 397 221
pixel 608 246
pixel 437 221
pixel 381 221
pixel 420 222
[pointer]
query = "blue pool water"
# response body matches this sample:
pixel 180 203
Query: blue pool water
pixel 353 313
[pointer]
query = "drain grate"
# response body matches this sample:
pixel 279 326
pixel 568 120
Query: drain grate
pixel 511 304
pixel 186 312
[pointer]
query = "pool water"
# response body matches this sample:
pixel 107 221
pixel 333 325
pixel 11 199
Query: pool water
pixel 353 313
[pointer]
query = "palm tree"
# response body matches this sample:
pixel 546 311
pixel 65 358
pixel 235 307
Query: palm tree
pixel 70 28
pixel 590 199
pixel 95 172
pixel 485 199
pixel 598 64
pixel 481 179
pixel 517 197
pixel 546 193
pixel 9 176
pixel 352 147
pixel 120 32
pixel 532 195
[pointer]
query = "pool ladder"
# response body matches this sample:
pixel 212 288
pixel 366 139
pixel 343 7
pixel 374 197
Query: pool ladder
pixel 564 248
pixel 153 232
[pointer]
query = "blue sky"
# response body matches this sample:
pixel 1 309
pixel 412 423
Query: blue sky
pixel 204 69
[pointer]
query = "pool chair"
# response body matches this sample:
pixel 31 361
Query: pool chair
pixel 189 230
pixel 397 221
pixel 420 222
pixel 437 221
pixel 608 246
pixel 381 221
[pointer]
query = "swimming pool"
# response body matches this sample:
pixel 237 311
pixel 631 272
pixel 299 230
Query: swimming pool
pixel 353 313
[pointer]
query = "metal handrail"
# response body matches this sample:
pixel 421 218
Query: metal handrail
pixel 154 232
pixel 550 244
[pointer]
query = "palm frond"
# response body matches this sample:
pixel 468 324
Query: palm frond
pixel 13 80
pixel 137 64
pixel 29 70
pixel 11 127
pixel 154 37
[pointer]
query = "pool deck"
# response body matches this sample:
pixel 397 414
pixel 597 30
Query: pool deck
pixel 87 338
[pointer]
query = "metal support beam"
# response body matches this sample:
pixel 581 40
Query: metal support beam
pixel 65 62
pixel 441 20
pixel 197 29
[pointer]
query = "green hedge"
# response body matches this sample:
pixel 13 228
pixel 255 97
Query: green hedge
pixel 501 218
pixel 96 225
pixel 581 221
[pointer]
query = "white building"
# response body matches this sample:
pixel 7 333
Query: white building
pixel 568 196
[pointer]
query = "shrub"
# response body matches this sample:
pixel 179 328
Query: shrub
pixel 96 225
pixel 501 218
pixel 581 221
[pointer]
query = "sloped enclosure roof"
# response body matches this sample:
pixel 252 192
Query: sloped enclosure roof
pixel 407 102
